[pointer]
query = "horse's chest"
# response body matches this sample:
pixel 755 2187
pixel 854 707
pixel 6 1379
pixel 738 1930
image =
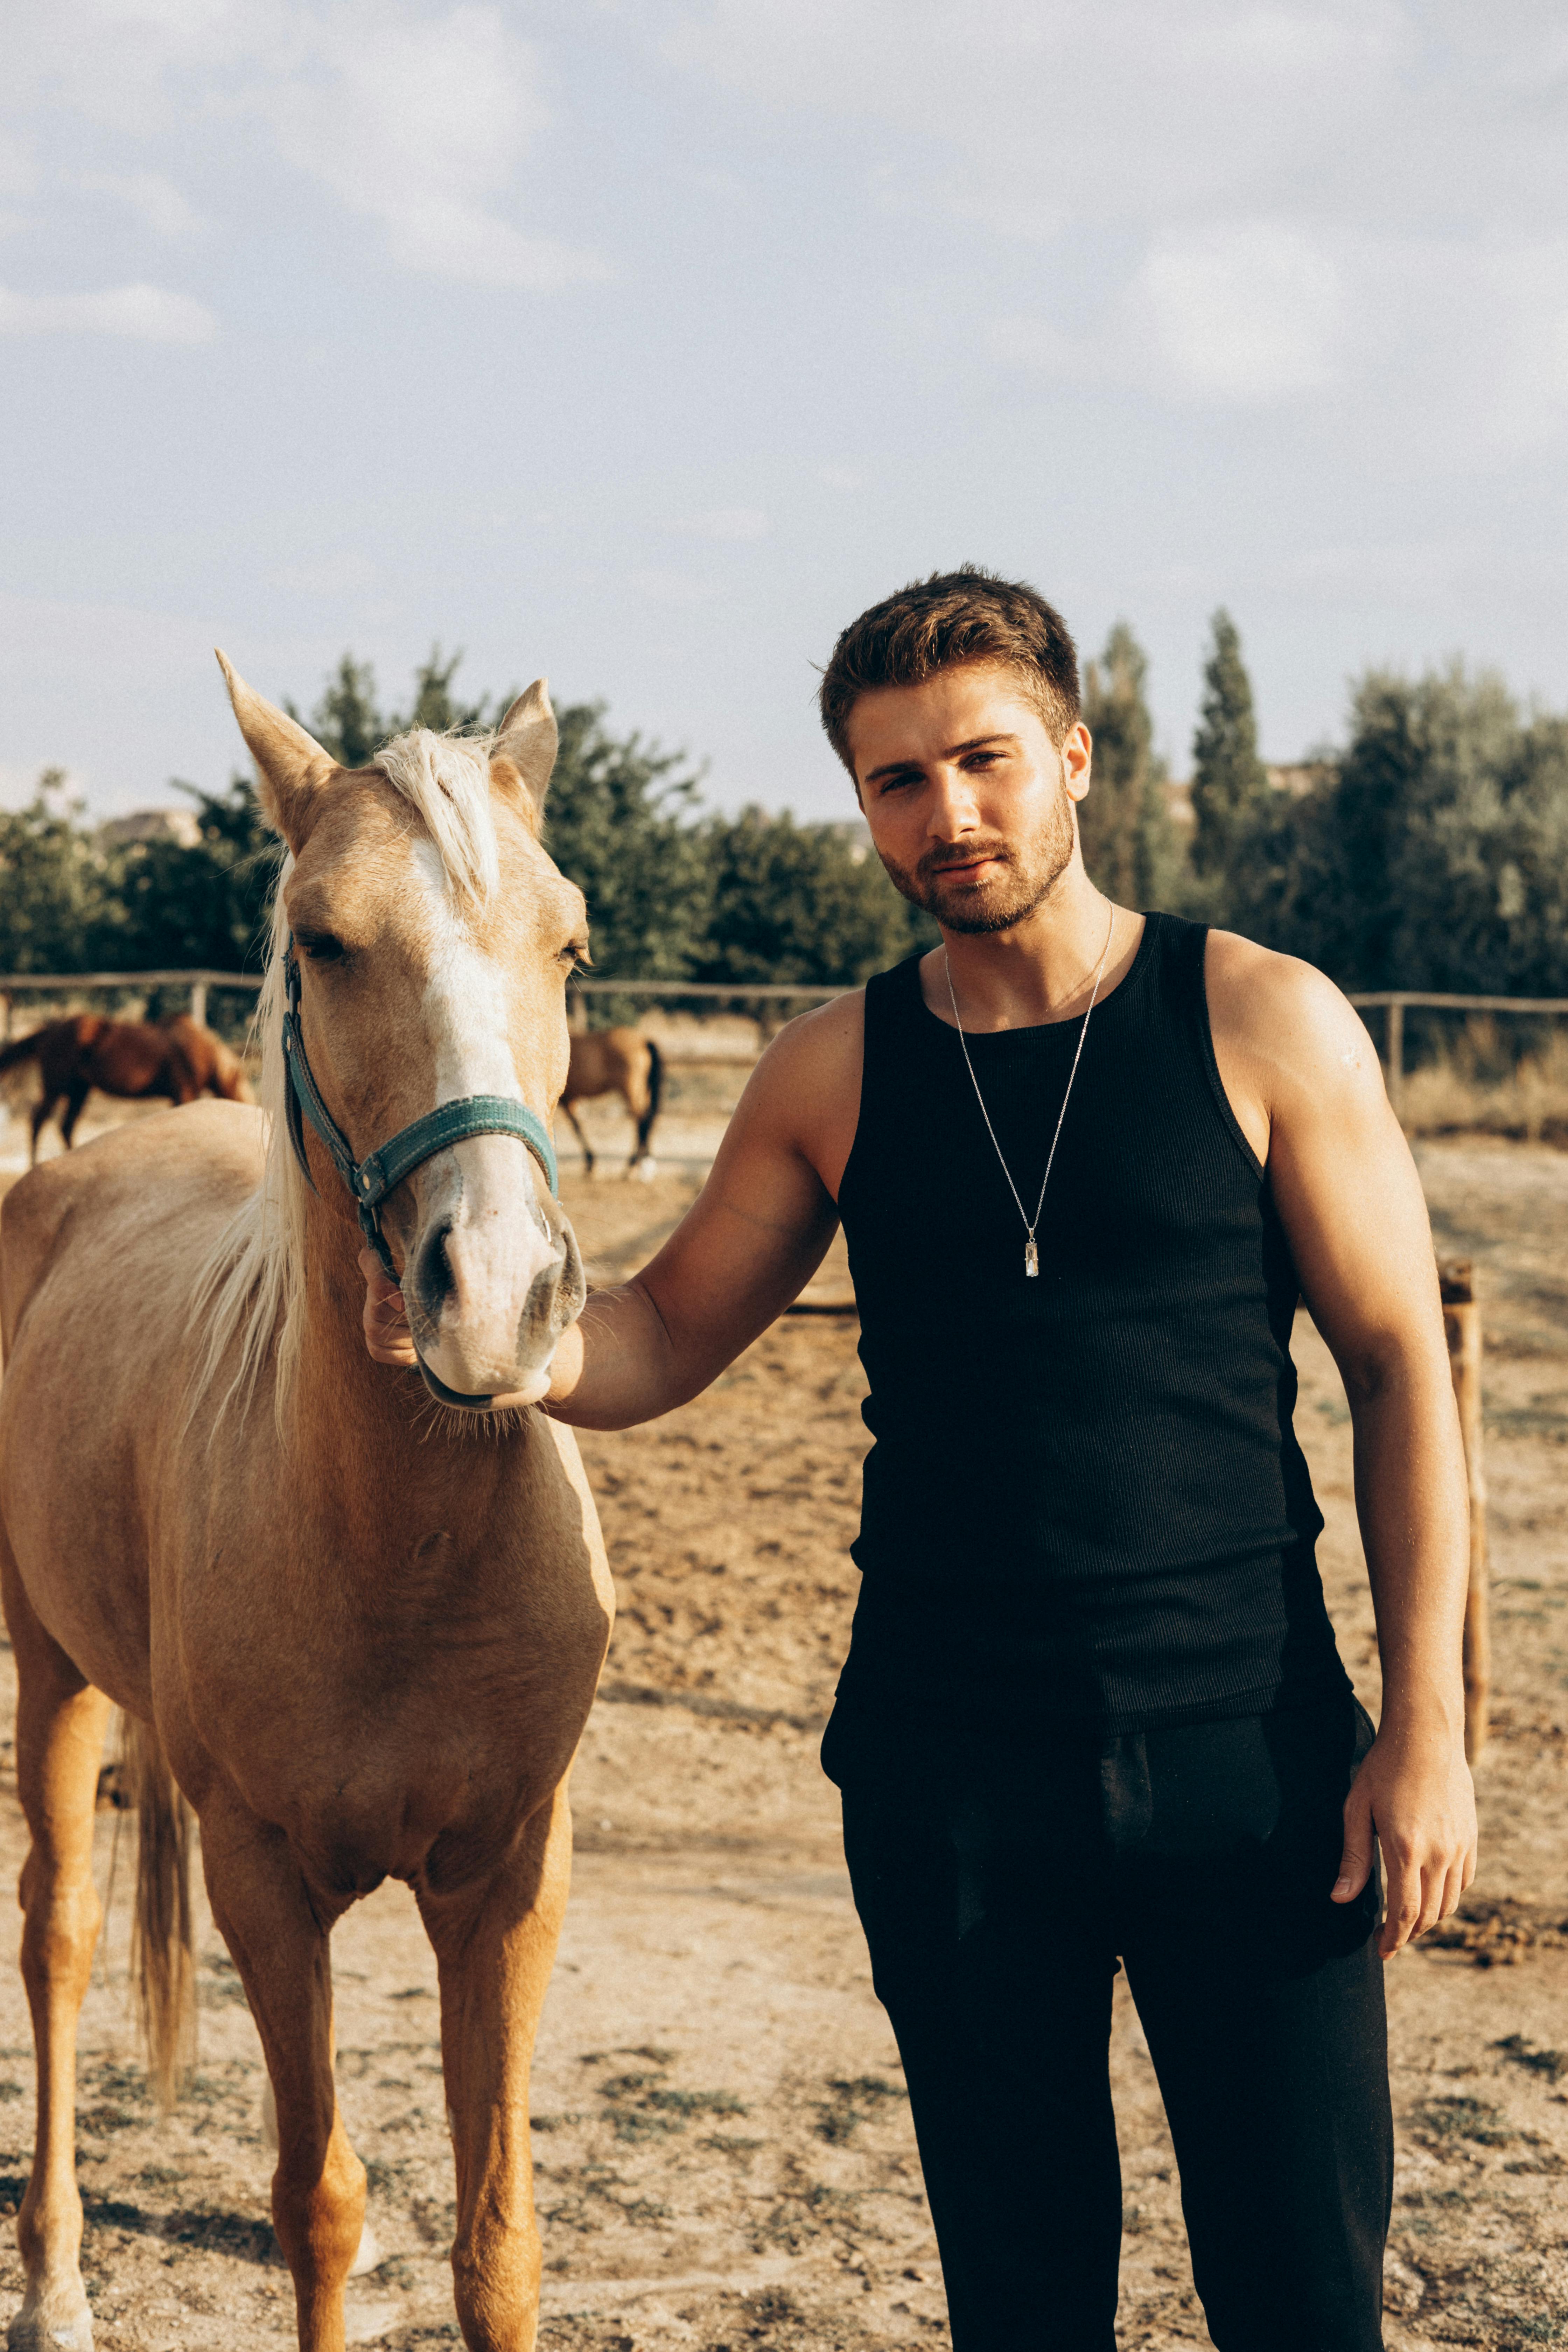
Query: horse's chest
pixel 372 1740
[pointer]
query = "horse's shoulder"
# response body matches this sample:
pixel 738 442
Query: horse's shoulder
pixel 33 1216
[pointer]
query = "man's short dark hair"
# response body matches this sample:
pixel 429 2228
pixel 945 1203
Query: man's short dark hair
pixel 953 619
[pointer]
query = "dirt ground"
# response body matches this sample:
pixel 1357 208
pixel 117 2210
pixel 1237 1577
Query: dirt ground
pixel 723 2143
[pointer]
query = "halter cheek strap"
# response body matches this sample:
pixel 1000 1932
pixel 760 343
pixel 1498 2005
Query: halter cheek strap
pixel 370 1180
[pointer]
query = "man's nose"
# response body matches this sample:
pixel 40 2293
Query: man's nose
pixel 951 811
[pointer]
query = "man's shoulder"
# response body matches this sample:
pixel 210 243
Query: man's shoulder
pixel 1283 1014
pixel 804 1096
pixel 1257 990
pixel 828 1039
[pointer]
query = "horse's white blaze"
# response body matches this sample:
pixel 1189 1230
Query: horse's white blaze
pixel 465 998
pixel 497 1242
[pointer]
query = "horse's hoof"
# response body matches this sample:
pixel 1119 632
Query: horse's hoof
pixel 52 2323
pixel 369 2257
pixel 648 1170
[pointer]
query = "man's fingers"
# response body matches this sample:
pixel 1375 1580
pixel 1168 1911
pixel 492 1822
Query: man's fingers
pixel 1402 1910
pixel 1356 1861
pixel 1434 1884
pixel 378 1283
pixel 385 1324
pixel 1454 1884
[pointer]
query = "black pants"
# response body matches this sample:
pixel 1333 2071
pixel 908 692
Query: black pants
pixel 997 1889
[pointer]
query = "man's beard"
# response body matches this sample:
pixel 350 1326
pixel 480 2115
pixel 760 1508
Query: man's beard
pixel 1031 870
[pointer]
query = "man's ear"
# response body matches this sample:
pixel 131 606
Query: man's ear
pixel 291 767
pixel 523 752
pixel 1077 760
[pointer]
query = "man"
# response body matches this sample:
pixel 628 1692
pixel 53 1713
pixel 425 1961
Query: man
pixel 1085 1159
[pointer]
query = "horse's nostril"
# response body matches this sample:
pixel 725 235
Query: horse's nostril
pixel 433 1280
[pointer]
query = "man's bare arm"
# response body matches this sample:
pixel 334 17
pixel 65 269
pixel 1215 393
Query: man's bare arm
pixel 1350 1202
pixel 750 1241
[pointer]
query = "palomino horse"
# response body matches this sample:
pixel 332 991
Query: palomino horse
pixel 177 1059
pixel 359 1634
pixel 617 1062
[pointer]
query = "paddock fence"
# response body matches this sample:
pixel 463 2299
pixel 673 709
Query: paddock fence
pixel 764 1005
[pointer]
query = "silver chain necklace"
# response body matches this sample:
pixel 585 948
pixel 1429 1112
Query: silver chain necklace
pixel 1031 1248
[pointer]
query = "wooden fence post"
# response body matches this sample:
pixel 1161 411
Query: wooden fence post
pixel 199 1003
pixel 1462 1323
pixel 1395 1045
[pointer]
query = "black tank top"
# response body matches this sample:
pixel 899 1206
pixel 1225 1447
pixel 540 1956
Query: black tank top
pixel 1085 1496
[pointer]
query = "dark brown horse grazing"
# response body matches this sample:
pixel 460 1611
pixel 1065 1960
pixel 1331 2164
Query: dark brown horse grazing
pixel 617 1062
pixel 179 1060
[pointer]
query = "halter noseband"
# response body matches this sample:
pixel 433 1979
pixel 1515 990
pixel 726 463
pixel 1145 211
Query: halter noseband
pixel 370 1180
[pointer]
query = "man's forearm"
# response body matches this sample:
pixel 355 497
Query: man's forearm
pixel 1413 1503
pixel 615 1365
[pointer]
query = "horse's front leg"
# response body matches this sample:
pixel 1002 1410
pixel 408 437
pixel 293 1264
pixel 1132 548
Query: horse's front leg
pixel 279 1945
pixel 60 1722
pixel 495 1947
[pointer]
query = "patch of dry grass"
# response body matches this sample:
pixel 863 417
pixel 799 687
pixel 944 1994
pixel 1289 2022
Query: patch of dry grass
pixel 1476 1086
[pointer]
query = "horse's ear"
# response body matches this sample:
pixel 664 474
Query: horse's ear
pixel 523 752
pixel 290 764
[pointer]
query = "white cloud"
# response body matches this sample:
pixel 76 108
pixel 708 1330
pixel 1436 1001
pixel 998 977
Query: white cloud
pixel 1057 113
pixel 421 122
pixel 1243 315
pixel 415 117
pixel 1248 313
pixel 147 314
pixel 726 523
pixel 1231 201
pixel 154 199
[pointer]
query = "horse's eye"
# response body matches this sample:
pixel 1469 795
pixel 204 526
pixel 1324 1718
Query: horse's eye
pixel 321 947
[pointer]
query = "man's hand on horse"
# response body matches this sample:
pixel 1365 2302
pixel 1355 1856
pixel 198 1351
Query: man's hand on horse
pixel 385 1318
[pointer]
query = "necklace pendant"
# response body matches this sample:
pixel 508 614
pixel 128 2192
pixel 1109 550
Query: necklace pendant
pixel 1031 1257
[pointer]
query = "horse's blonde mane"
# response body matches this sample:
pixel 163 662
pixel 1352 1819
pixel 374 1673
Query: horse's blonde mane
pixel 249 1288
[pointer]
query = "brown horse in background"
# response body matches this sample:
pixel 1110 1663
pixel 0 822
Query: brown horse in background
pixel 617 1062
pixel 177 1059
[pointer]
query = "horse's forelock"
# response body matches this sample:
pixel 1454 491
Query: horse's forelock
pixel 446 779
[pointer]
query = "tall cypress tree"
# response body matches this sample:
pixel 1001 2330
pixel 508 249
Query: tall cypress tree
pixel 1129 841
pixel 1229 782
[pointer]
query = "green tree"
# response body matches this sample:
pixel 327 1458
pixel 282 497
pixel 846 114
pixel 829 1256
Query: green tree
pixel 204 904
pixel 620 823
pixel 58 905
pixel 1229 781
pixel 437 706
pixel 347 721
pixel 1129 843
pixel 1435 853
pixel 808 903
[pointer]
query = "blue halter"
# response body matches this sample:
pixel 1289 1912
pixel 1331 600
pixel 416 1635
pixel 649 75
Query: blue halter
pixel 370 1180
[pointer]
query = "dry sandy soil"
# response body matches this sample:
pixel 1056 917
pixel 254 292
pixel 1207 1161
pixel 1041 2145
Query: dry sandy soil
pixel 722 2142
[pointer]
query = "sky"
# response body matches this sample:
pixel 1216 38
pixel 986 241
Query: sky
pixel 644 345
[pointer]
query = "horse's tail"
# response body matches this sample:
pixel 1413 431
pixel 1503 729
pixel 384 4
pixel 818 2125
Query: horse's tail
pixel 655 1089
pixel 162 1962
pixel 25 1049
